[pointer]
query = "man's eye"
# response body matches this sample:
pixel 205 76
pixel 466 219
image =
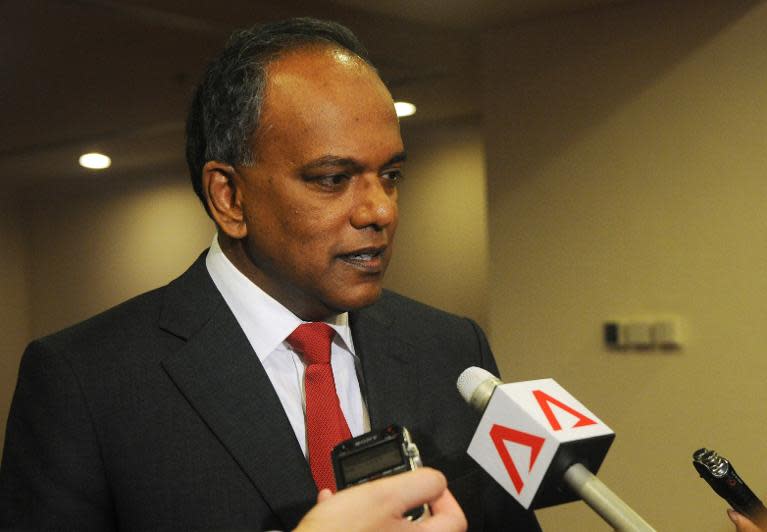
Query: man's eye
pixel 394 175
pixel 332 181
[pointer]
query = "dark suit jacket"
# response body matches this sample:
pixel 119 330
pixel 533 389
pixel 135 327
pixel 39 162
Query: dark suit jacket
pixel 157 415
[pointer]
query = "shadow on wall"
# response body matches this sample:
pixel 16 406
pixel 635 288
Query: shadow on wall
pixel 567 78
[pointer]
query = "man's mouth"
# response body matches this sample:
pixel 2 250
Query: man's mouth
pixel 370 259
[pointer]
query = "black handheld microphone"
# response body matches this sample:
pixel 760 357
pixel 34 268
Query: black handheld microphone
pixel 721 476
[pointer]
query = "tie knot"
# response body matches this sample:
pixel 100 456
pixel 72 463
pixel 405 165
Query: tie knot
pixel 312 340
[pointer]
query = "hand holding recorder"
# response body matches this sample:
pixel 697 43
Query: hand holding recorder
pixel 379 505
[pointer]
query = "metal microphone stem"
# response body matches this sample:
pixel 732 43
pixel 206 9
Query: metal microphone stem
pixel 603 501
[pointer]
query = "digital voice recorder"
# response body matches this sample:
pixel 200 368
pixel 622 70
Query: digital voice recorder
pixel 374 455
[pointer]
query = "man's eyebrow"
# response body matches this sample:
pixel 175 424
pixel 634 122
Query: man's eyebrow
pixel 332 161
pixel 346 162
pixel 398 158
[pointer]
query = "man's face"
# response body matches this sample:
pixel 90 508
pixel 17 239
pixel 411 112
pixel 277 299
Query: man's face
pixel 320 202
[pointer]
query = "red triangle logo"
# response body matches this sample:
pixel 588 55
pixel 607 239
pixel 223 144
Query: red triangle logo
pixel 499 434
pixel 545 401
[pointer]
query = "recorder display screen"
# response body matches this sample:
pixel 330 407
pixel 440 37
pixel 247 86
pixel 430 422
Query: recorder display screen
pixel 371 461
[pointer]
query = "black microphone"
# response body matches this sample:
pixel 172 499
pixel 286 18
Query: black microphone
pixel 721 476
pixel 542 445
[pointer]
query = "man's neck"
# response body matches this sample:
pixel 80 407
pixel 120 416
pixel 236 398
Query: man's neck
pixel 235 251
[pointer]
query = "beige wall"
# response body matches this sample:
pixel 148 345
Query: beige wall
pixel 96 244
pixel 627 153
pixel 441 248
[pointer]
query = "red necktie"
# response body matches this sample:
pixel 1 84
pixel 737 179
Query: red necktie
pixel 325 423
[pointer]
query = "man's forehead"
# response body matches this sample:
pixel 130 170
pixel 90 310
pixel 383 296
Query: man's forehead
pixel 325 100
pixel 317 53
pixel 319 84
pixel 319 66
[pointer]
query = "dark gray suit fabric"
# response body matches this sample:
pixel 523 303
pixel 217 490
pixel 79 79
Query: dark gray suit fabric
pixel 157 415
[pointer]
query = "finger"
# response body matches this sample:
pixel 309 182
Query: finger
pixel 446 515
pixel 742 523
pixel 324 495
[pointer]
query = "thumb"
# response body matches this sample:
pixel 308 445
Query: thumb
pixel 741 522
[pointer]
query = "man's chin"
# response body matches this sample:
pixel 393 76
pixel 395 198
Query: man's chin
pixel 357 301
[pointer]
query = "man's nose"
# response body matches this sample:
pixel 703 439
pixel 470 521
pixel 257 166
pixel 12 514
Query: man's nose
pixel 376 204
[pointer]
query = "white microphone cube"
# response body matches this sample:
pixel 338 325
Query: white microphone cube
pixel 530 433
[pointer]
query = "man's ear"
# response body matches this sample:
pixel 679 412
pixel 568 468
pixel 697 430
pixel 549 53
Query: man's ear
pixel 220 184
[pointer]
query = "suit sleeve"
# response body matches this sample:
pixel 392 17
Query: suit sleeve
pixel 51 477
pixel 487 360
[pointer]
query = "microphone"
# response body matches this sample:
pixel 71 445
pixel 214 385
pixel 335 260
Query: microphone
pixel 542 445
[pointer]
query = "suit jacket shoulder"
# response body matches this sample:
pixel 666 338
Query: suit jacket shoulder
pixel 156 411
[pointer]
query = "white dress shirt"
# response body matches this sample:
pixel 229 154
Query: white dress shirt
pixel 267 324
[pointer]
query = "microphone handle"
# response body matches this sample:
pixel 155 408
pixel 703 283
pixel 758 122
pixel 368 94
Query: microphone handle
pixel 603 501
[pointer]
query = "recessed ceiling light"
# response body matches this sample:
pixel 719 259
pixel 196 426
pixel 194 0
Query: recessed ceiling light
pixel 95 161
pixel 404 109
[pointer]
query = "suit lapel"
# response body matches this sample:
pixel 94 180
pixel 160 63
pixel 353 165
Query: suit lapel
pixel 390 369
pixel 220 376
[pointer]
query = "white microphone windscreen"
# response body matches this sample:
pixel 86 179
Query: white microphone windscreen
pixel 470 379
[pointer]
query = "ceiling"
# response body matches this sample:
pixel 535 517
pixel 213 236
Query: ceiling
pixel 468 14
pixel 117 76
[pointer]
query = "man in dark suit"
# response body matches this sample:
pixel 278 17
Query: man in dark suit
pixel 184 408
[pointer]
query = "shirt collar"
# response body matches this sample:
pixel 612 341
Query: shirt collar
pixel 263 319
